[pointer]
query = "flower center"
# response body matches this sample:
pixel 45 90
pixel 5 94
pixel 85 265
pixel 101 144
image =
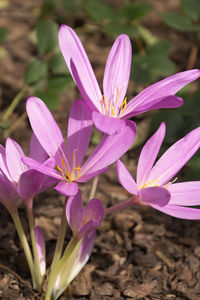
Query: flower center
pixel 155 183
pixel 69 174
pixel 112 108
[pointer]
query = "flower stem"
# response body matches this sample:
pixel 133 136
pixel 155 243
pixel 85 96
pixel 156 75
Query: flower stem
pixel 58 266
pixel 125 204
pixel 24 244
pixel 35 253
pixel 14 103
pixel 61 237
pixel 94 187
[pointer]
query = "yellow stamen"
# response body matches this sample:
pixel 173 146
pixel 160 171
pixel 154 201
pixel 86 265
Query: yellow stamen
pixel 102 100
pixel 68 175
pixel 106 103
pixel 59 169
pixel 112 109
pixel 123 105
pixel 117 93
pixel 73 155
pixel 63 162
pixel 78 168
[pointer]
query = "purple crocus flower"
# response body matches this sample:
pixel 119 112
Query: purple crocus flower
pixel 16 178
pixel 68 167
pixel 156 184
pixel 111 108
pixel 83 221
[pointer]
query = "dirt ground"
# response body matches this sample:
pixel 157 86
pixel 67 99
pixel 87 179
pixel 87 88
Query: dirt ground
pixel 139 253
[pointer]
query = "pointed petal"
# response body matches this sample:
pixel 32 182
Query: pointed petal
pixel 37 152
pixel 43 168
pixel 79 66
pixel 67 188
pixel 166 87
pixel 148 155
pixel 44 126
pixel 162 102
pixel 74 212
pixel 126 179
pixel 117 70
pixel 155 195
pixel 107 125
pixel 185 193
pixel 79 132
pixel 175 158
pixel 14 155
pixel 179 211
pixel 110 149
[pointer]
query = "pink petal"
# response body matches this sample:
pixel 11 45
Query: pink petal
pixel 106 124
pixel 185 193
pixel 175 158
pixel 44 126
pixel 29 185
pixel 164 88
pixel 79 132
pixel 117 70
pixel 179 211
pixel 155 195
pixel 3 164
pixel 74 212
pixel 110 149
pixel 126 179
pixel 85 178
pixel 162 102
pixel 37 152
pixel 43 168
pixel 79 66
pixel 148 155
pixel 14 155
pixel 67 188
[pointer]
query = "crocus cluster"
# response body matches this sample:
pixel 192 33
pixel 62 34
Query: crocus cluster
pixel 64 166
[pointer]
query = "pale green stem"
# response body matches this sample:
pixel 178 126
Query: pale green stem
pixel 24 244
pixel 35 253
pixel 14 103
pixel 59 265
pixel 61 238
pixel 125 204
pixel 94 187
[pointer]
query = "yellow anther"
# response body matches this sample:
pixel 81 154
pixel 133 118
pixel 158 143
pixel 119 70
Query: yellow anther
pixel 117 93
pixel 73 155
pixel 68 175
pixel 102 100
pixel 112 109
pixel 59 169
pixel 123 105
pixel 106 103
pixel 63 162
pixel 78 168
